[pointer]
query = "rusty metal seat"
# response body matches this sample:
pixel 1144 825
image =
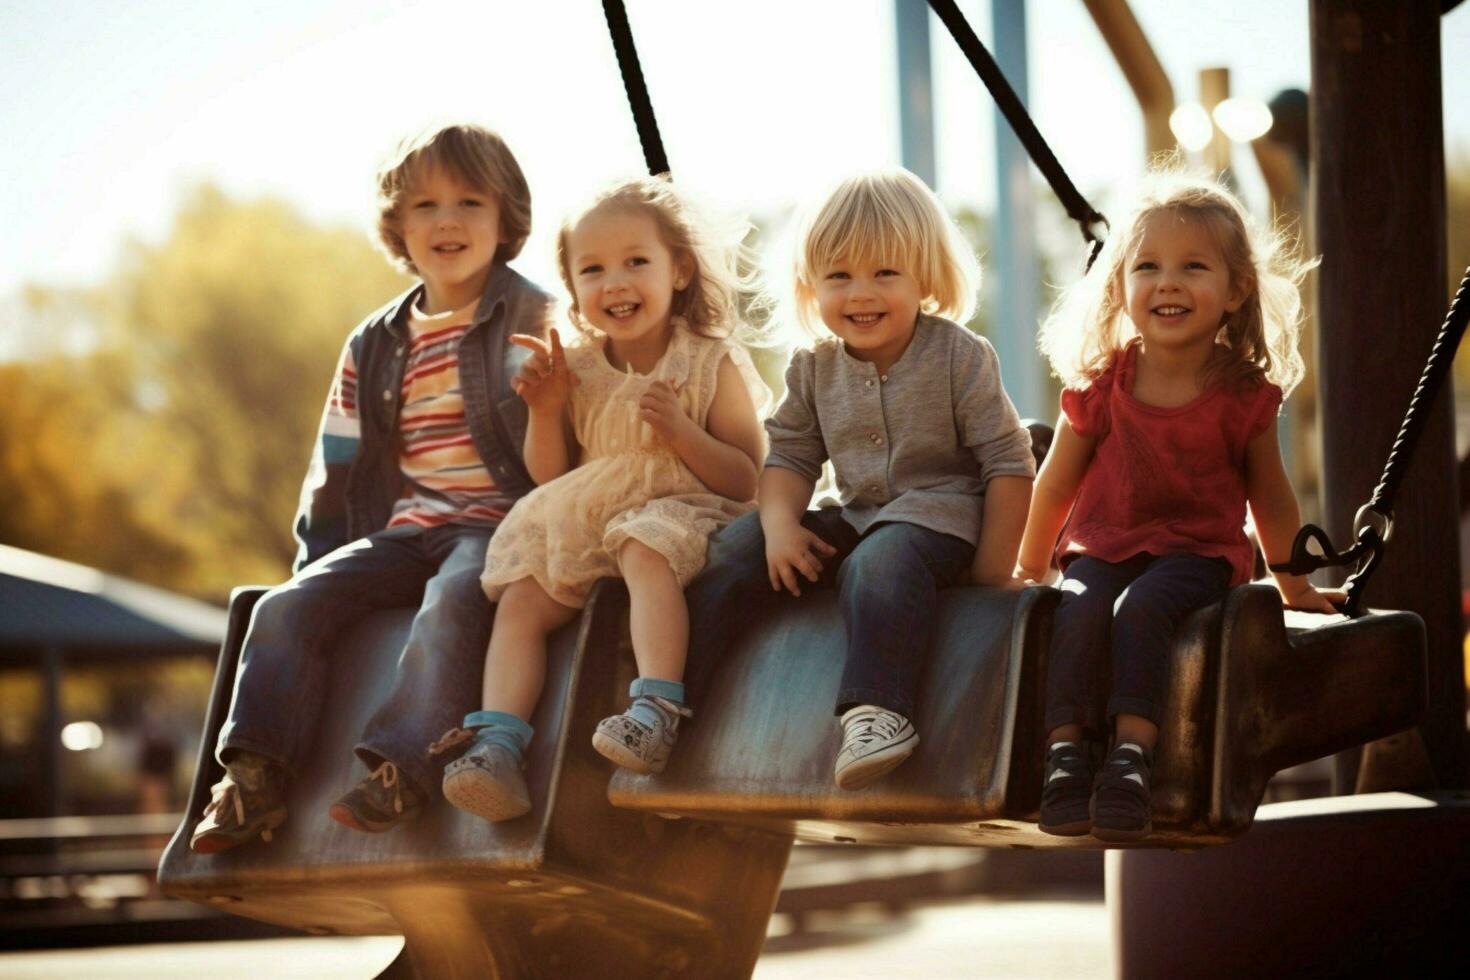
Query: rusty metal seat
pixel 1249 695
pixel 601 879
pixel 575 888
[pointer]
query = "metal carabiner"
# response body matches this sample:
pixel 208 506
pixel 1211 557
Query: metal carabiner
pixel 1366 514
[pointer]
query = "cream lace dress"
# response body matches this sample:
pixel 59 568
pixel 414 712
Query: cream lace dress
pixel 566 534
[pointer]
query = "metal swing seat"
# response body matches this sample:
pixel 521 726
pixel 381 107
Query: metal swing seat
pixel 616 874
pixel 676 874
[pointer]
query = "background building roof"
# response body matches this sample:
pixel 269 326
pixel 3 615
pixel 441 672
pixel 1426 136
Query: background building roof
pixel 48 602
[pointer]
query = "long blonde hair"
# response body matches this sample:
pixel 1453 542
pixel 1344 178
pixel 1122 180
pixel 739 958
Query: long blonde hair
pixel 887 216
pixel 1088 325
pixel 711 301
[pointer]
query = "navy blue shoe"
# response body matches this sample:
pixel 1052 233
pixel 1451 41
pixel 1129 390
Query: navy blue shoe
pixel 1066 793
pixel 1121 796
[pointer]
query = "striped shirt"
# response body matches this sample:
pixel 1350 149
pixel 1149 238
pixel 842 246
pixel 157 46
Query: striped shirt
pixel 445 481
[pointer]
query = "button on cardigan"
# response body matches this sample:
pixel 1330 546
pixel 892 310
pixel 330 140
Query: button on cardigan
pixel 916 445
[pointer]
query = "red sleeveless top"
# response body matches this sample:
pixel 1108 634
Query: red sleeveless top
pixel 1163 480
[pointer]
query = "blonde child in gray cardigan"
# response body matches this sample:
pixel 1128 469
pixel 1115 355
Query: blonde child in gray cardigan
pixel 933 468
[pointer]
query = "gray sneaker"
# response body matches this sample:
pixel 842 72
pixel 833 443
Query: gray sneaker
pixel 487 782
pixel 874 741
pixel 249 802
pixel 633 743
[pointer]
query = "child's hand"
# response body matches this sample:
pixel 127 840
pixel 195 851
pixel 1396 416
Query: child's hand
pixel 794 551
pixel 993 582
pixel 544 382
pixel 660 408
pixel 1298 593
pixel 1031 576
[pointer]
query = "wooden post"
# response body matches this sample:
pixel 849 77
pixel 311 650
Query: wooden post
pixel 1214 88
pixel 1136 59
pixel 1378 199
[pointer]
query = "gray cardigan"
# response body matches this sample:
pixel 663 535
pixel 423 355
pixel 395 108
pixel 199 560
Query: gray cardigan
pixel 917 445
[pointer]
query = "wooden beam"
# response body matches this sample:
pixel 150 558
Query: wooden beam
pixel 1378 196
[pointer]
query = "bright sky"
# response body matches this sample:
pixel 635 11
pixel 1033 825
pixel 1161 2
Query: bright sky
pixel 112 108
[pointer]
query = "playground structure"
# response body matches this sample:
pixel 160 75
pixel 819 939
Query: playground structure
pixel 676 874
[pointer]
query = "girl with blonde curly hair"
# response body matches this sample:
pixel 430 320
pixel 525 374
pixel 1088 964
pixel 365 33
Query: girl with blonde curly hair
pixel 1176 350
pixel 645 438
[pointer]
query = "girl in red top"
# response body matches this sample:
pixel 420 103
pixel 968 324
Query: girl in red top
pixel 1176 350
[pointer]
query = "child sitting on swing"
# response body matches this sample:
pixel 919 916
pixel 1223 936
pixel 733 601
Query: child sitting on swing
pixel 1176 350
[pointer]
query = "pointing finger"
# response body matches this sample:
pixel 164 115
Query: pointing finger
pixel 530 343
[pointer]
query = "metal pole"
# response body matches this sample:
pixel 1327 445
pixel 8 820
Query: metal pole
pixel 50 794
pixel 1378 199
pixel 1013 253
pixel 1282 155
pixel 915 88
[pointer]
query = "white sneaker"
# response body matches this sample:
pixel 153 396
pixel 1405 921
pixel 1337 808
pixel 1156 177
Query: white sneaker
pixel 874 740
pixel 634 745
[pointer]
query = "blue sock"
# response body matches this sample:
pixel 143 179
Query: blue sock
pixel 501 728
pixel 645 687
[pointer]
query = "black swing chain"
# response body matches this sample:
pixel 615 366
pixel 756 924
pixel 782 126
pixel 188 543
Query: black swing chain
pixel 1373 524
pixel 1090 221
pixel 637 89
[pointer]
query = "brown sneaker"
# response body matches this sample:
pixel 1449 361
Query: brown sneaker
pixel 380 802
pixel 249 802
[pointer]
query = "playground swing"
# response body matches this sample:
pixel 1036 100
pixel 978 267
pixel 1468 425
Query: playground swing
pixel 1245 675
pixel 676 874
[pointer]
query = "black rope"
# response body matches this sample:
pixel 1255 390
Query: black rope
pixel 1441 360
pixel 634 85
pixel 1370 537
pixel 1010 106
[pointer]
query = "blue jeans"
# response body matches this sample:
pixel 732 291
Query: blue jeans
pixel 887 582
pixel 1120 618
pixel 290 651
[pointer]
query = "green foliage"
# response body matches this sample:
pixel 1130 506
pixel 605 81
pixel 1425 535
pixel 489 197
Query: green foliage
pixel 173 451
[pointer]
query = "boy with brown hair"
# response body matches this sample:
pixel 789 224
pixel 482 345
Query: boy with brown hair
pixel 418 459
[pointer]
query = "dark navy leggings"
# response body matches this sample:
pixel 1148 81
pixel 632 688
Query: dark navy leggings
pixel 1112 633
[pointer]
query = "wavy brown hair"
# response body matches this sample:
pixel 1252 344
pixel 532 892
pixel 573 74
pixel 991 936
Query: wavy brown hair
pixel 475 155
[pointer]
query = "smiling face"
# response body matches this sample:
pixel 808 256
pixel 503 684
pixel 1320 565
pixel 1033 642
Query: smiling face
pixel 624 276
pixel 872 305
pixel 451 231
pixel 1177 284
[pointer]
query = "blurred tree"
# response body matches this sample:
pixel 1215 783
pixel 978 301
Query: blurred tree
pixel 62 488
pixel 173 452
